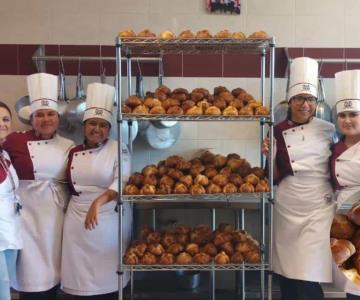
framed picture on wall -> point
(223, 6)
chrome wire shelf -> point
(193, 118)
(209, 267)
(188, 198)
(138, 45)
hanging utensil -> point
(76, 106)
(281, 109)
(23, 104)
(62, 103)
(162, 138)
(323, 110)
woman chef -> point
(345, 159)
(303, 210)
(90, 246)
(39, 157)
(10, 238)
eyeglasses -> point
(300, 100)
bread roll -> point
(184, 259)
(342, 250)
(342, 228)
(203, 34)
(201, 258)
(148, 259)
(222, 258)
(258, 35)
(146, 33)
(354, 213)
(167, 35)
(186, 34)
(238, 35)
(166, 259)
(127, 33)
(141, 110)
(223, 34)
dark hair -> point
(3, 105)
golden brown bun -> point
(187, 104)
(137, 179)
(252, 257)
(193, 111)
(342, 228)
(183, 165)
(186, 34)
(252, 178)
(342, 250)
(222, 238)
(262, 111)
(181, 188)
(162, 170)
(213, 111)
(227, 96)
(166, 259)
(131, 189)
(149, 170)
(127, 33)
(354, 213)
(180, 96)
(175, 110)
(186, 179)
(220, 103)
(223, 34)
(237, 258)
(133, 101)
(259, 172)
(229, 188)
(236, 179)
(175, 248)
(262, 187)
(247, 188)
(220, 180)
(148, 259)
(220, 89)
(197, 189)
(167, 180)
(156, 249)
(150, 180)
(219, 161)
(210, 172)
(230, 111)
(183, 259)
(153, 237)
(172, 160)
(222, 258)
(131, 259)
(141, 110)
(166, 35)
(174, 173)
(192, 249)
(238, 35)
(207, 157)
(183, 239)
(227, 248)
(146, 33)
(163, 89)
(210, 249)
(225, 227)
(258, 35)
(196, 96)
(201, 258)
(157, 110)
(138, 247)
(203, 34)
(152, 102)
(203, 104)
(246, 111)
(145, 232)
(126, 109)
(213, 188)
(237, 103)
(180, 91)
(356, 239)
(163, 189)
(196, 169)
(201, 180)
(239, 236)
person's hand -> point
(91, 220)
(265, 147)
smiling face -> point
(349, 123)
(302, 108)
(96, 131)
(5, 124)
(45, 122)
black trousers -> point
(111, 296)
(46, 295)
(352, 297)
(292, 289)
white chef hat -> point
(347, 90)
(303, 77)
(43, 91)
(99, 101)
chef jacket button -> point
(295, 171)
(29, 144)
(302, 128)
(74, 182)
(34, 171)
(38, 143)
(293, 130)
(337, 159)
(72, 168)
(285, 133)
(32, 156)
(80, 193)
(288, 146)
(292, 161)
(337, 175)
(83, 153)
(76, 154)
(46, 142)
(90, 152)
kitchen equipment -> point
(62, 103)
(23, 104)
(323, 110)
(163, 137)
(76, 106)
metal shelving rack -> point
(130, 47)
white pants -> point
(7, 272)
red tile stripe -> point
(17, 60)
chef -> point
(90, 246)
(304, 206)
(10, 235)
(345, 160)
(39, 157)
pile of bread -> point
(208, 174)
(345, 241)
(199, 245)
(188, 34)
(198, 102)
